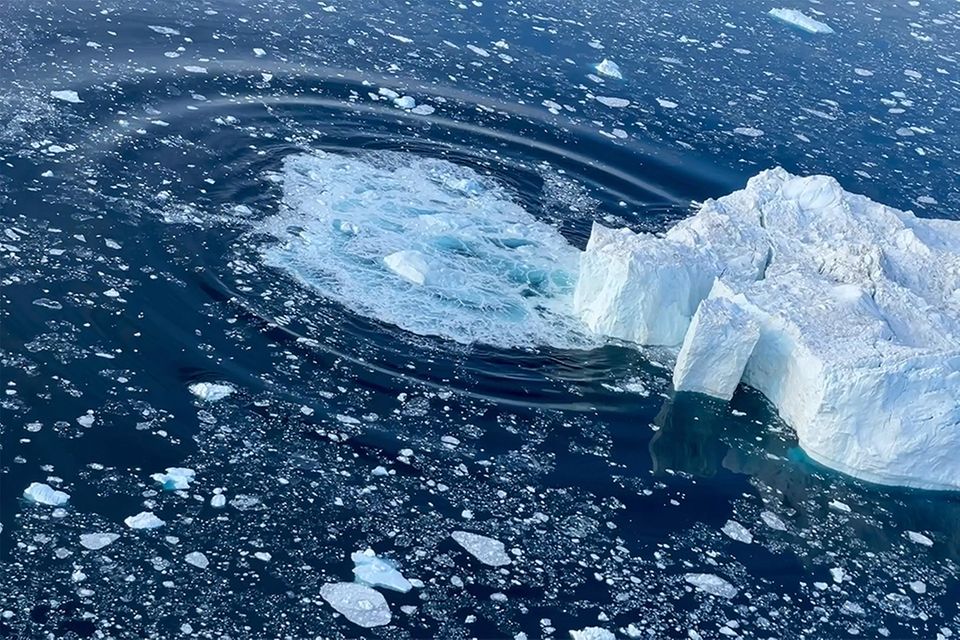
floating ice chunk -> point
(217, 501)
(408, 264)
(857, 305)
(487, 271)
(773, 521)
(97, 541)
(592, 633)
(749, 132)
(716, 348)
(798, 19)
(489, 551)
(192, 68)
(197, 559)
(610, 69)
(422, 110)
(66, 96)
(359, 604)
(712, 584)
(211, 391)
(617, 103)
(175, 478)
(41, 493)
(919, 538)
(166, 31)
(736, 531)
(405, 102)
(143, 520)
(377, 572)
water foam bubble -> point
(427, 245)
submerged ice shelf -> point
(843, 312)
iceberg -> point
(175, 478)
(45, 494)
(610, 69)
(712, 584)
(800, 20)
(210, 391)
(359, 604)
(843, 312)
(143, 520)
(377, 572)
(97, 541)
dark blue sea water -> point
(149, 242)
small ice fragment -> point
(592, 633)
(838, 574)
(712, 584)
(798, 19)
(66, 95)
(194, 69)
(919, 538)
(839, 506)
(211, 391)
(41, 493)
(409, 264)
(218, 501)
(422, 110)
(359, 604)
(197, 559)
(377, 572)
(263, 556)
(166, 31)
(388, 93)
(175, 478)
(617, 103)
(667, 104)
(487, 550)
(738, 532)
(749, 132)
(97, 541)
(143, 520)
(610, 69)
(257, 51)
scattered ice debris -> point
(66, 95)
(857, 308)
(211, 391)
(175, 478)
(97, 541)
(736, 531)
(143, 520)
(617, 103)
(919, 538)
(359, 604)
(41, 493)
(610, 69)
(197, 559)
(487, 550)
(592, 633)
(377, 572)
(798, 19)
(712, 584)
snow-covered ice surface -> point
(843, 312)
(485, 549)
(359, 604)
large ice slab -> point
(857, 304)
(359, 604)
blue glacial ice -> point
(426, 245)
(377, 572)
(45, 494)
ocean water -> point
(205, 191)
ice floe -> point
(97, 541)
(41, 493)
(175, 478)
(211, 391)
(610, 69)
(66, 95)
(358, 603)
(377, 572)
(143, 520)
(712, 584)
(489, 551)
(800, 20)
(857, 304)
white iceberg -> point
(857, 304)
(143, 520)
(409, 264)
(175, 478)
(610, 69)
(45, 494)
(800, 20)
(489, 551)
(712, 584)
(359, 604)
(197, 559)
(66, 95)
(377, 572)
(211, 391)
(592, 633)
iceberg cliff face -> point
(843, 312)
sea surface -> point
(205, 191)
